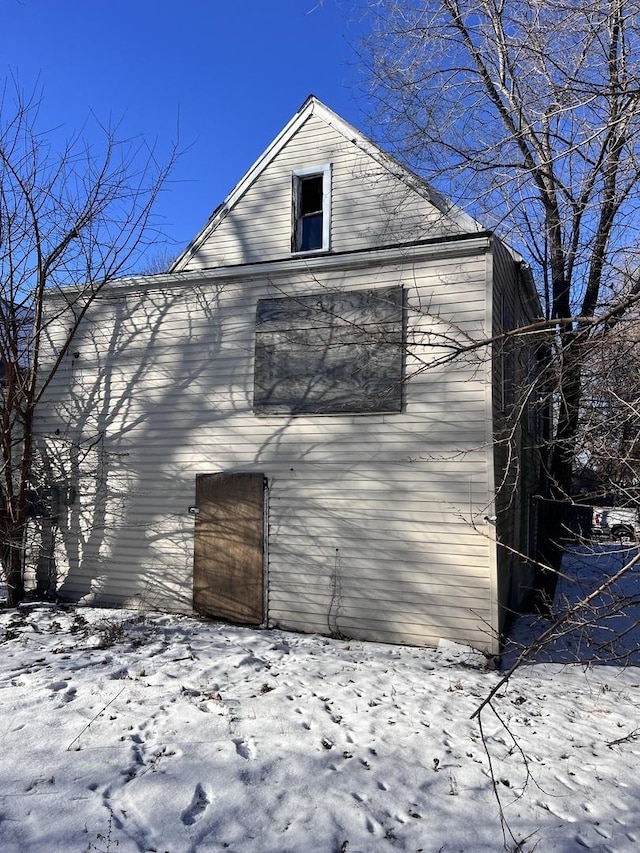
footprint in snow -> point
(69, 695)
(245, 749)
(197, 807)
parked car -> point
(621, 523)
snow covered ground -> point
(147, 732)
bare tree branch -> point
(73, 216)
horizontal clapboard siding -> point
(375, 525)
(516, 452)
(370, 207)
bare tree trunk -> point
(532, 117)
(12, 550)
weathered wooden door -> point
(229, 547)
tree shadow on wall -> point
(115, 411)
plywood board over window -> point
(330, 353)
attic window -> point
(311, 209)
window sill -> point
(306, 252)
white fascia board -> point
(312, 106)
(465, 222)
(250, 176)
(292, 266)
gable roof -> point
(313, 107)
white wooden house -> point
(277, 431)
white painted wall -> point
(371, 517)
(370, 206)
(376, 522)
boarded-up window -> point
(329, 353)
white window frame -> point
(323, 170)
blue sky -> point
(228, 74)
